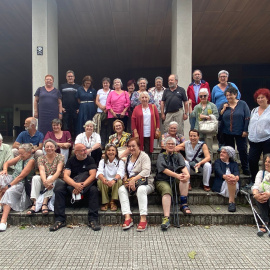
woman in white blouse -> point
(259, 130)
(110, 172)
(91, 140)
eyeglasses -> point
(223, 76)
(203, 96)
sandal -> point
(263, 228)
(127, 224)
(104, 207)
(57, 225)
(184, 208)
(31, 211)
(113, 206)
(142, 225)
(45, 211)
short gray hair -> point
(173, 123)
(57, 121)
(170, 139)
(196, 70)
(118, 80)
(33, 122)
(27, 147)
(223, 71)
(70, 71)
(140, 79)
(204, 90)
(144, 93)
(89, 122)
(175, 76)
(1, 137)
(51, 141)
(158, 78)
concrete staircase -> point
(207, 208)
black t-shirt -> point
(69, 99)
(79, 166)
(174, 99)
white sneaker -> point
(3, 227)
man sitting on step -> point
(197, 157)
(80, 181)
(171, 171)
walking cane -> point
(255, 214)
(175, 201)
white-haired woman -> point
(50, 168)
(145, 123)
(172, 132)
(135, 100)
(226, 181)
(12, 192)
(118, 103)
(91, 140)
(204, 111)
(218, 91)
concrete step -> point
(201, 215)
(195, 197)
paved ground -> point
(217, 247)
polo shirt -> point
(174, 99)
(79, 166)
(24, 137)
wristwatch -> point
(115, 179)
(9, 185)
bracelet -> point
(115, 179)
(60, 113)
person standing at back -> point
(70, 103)
(173, 100)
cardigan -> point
(137, 123)
(143, 168)
(220, 170)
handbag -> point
(139, 182)
(209, 126)
(103, 116)
(157, 135)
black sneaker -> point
(94, 225)
(231, 207)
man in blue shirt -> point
(30, 135)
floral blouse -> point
(50, 168)
(179, 138)
(122, 142)
(157, 96)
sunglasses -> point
(110, 144)
(203, 96)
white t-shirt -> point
(146, 122)
(102, 97)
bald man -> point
(30, 135)
(79, 180)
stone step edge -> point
(201, 215)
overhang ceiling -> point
(116, 37)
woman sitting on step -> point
(261, 191)
(110, 172)
(12, 187)
(171, 171)
(138, 179)
(226, 181)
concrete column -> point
(181, 62)
(45, 34)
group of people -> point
(128, 125)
